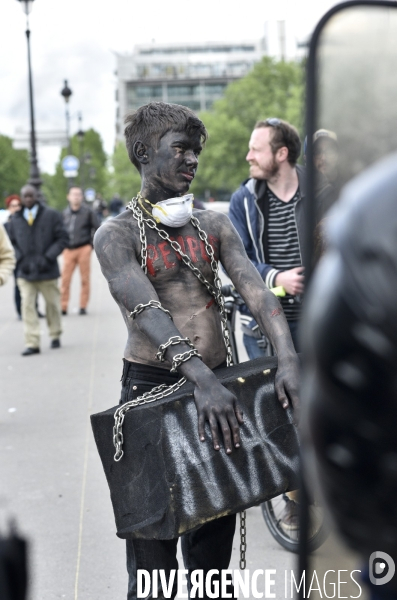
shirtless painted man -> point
(164, 142)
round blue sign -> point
(89, 194)
(70, 163)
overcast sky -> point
(77, 39)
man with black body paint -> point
(164, 142)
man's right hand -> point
(219, 407)
(25, 265)
(292, 280)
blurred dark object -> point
(198, 204)
(349, 392)
(350, 377)
(13, 567)
(116, 205)
(100, 207)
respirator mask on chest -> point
(174, 212)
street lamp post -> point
(80, 137)
(34, 176)
(66, 93)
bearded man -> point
(171, 315)
(267, 211)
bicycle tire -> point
(291, 541)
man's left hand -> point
(287, 383)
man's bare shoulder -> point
(117, 230)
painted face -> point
(263, 163)
(325, 158)
(173, 165)
(28, 196)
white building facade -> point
(192, 74)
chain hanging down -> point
(215, 291)
(162, 391)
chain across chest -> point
(214, 289)
(163, 259)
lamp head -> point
(66, 92)
(26, 5)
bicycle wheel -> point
(272, 510)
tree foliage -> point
(14, 168)
(271, 89)
(124, 178)
(93, 170)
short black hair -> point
(149, 123)
(284, 134)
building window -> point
(183, 91)
(192, 104)
(137, 95)
(214, 90)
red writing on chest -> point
(162, 255)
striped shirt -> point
(283, 246)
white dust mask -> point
(174, 212)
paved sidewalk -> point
(51, 478)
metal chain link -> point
(215, 292)
(162, 391)
(178, 359)
(243, 539)
(151, 304)
(175, 339)
(157, 393)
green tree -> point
(93, 170)
(124, 178)
(271, 89)
(14, 168)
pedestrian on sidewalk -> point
(81, 223)
(13, 205)
(7, 256)
(38, 236)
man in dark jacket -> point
(38, 236)
(81, 223)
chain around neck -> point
(163, 390)
(214, 290)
